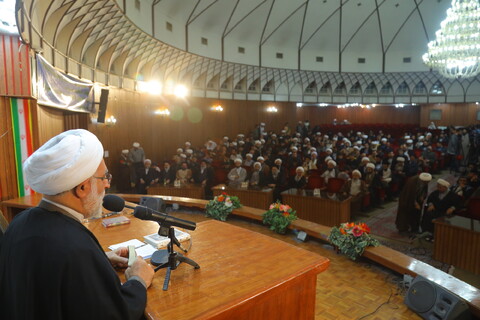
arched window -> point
(326, 89)
(420, 89)
(355, 90)
(403, 89)
(437, 89)
(386, 89)
(312, 88)
(341, 89)
(371, 89)
(268, 86)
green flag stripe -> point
(18, 148)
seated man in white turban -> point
(440, 202)
(51, 265)
(237, 175)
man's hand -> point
(140, 269)
(450, 211)
(118, 257)
(431, 207)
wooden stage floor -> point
(347, 289)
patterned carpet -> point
(382, 224)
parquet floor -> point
(347, 289)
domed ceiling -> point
(332, 51)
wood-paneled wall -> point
(357, 115)
(14, 67)
(192, 120)
(455, 114)
(50, 123)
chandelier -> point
(455, 52)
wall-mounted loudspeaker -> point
(102, 108)
(430, 301)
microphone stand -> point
(174, 258)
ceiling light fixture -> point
(455, 52)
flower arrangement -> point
(352, 239)
(279, 216)
(221, 206)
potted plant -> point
(279, 216)
(352, 238)
(221, 206)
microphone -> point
(145, 213)
(115, 203)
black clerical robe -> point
(52, 267)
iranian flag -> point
(22, 136)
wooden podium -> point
(242, 275)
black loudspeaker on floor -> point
(433, 302)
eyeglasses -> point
(108, 177)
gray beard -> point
(93, 202)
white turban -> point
(125, 151)
(332, 162)
(424, 176)
(357, 172)
(370, 165)
(278, 160)
(63, 162)
(136, 145)
(401, 159)
(443, 182)
(260, 158)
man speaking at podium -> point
(51, 266)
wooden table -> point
(242, 275)
(255, 198)
(12, 207)
(457, 242)
(323, 211)
(188, 191)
